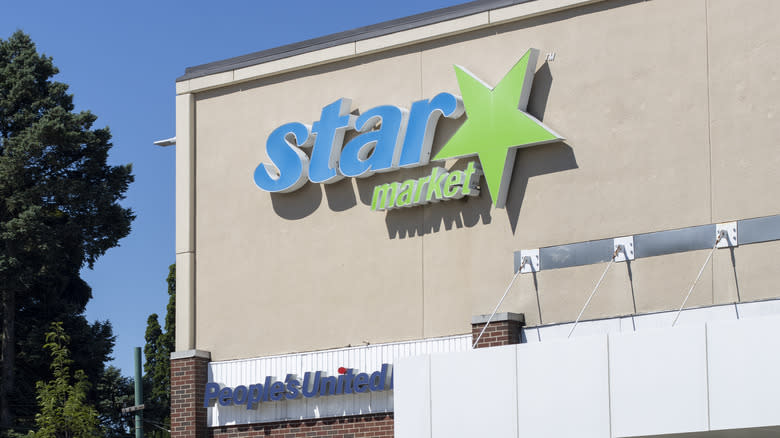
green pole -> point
(139, 395)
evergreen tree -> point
(59, 199)
(116, 392)
(169, 337)
(64, 410)
(157, 368)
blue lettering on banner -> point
(314, 384)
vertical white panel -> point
(658, 381)
(185, 221)
(744, 370)
(474, 393)
(696, 317)
(529, 335)
(628, 324)
(584, 328)
(413, 394)
(759, 308)
(658, 320)
(560, 380)
(185, 310)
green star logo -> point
(497, 124)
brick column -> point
(189, 372)
(504, 329)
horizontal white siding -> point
(367, 358)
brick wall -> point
(357, 426)
(504, 329)
(188, 383)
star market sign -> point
(390, 137)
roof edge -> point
(346, 37)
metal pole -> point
(139, 395)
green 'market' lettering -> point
(468, 188)
(452, 187)
(388, 192)
(422, 185)
(407, 193)
(437, 186)
(434, 193)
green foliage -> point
(59, 211)
(90, 348)
(116, 392)
(157, 369)
(64, 411)
(60, 199)
(170, 312)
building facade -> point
(351, 209)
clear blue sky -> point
(121, 60)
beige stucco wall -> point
(667, 108)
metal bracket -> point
(730, 239)
(627, 252)
(532, 263)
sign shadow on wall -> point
(298, 204)
(535, 161)
(539, 160)
(469, 212)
